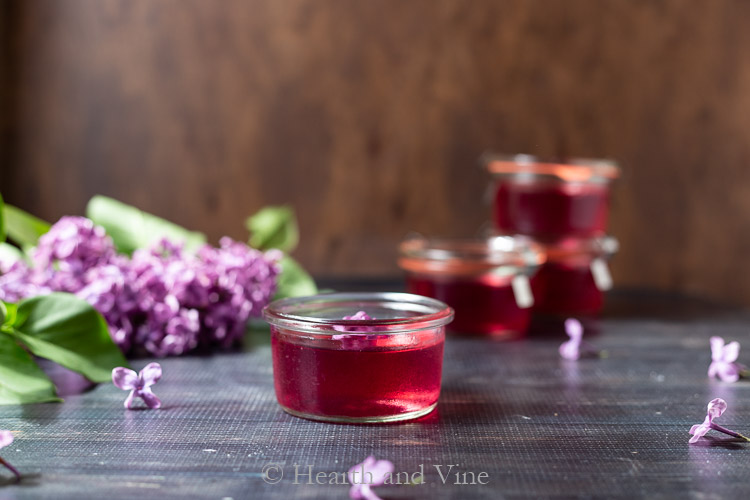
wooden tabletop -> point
(534, 424)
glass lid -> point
(573, 170)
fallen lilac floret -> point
(715, 408)
(576, 347)
(139, 384)
(367, 474)
(358, 316)
(353, 338)
(6, 438)
(724, 360)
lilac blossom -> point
(576, 347)
(18, 282)
(110, 291)
(367, 474)
(139, 384)
(163, 301)
(242, 281)
(723, 360)
(71, 247)
(6, 438)
(715, 408)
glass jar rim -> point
(599, 246)
(466, 256)
(413, 312)
(572, 170)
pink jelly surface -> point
(483, 306)
(360, 378)
(565, 289)
(550, 211)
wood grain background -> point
(369, 117)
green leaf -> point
(2, 219)
(294, 281)
(273, 227)
(67, 330)
(21, 380)
(10, 254)
(9, 313)
(131, 228)
(22, 227)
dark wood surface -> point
(539, 426)
(369, 117)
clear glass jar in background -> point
(575, 276)
(550, 201)
(486, 281)
(384, 369)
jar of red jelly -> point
(486, 281)
(550, 200)
(358, 357)
(573, 280)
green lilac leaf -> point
(9, 312)
(21, 380)
(67, 330)
(22, 227)
(131, 228)
(294, 281)
(273, 227)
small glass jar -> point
(573, 279)
(486, 281)
(382, 369)
(550, 201)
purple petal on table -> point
(140, 384)
(380, 470)
(698, 431)
(731, 352)
(363, 476)
(714, 410)
(570, 350)
(713, 369)
(574, 329)
(6, 437)
(728, 372)
(150, 374)
(129, 400)
(124, 378)
(363, 492)
(723, 360)
(717, 348)
(150, 399)
(716, 407)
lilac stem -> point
(719, 428)
(11, 468)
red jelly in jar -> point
(382, 363)
(485, 281)
(550, 201)
(575, 277)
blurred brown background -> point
(369, 117)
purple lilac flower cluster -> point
(162, 301)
